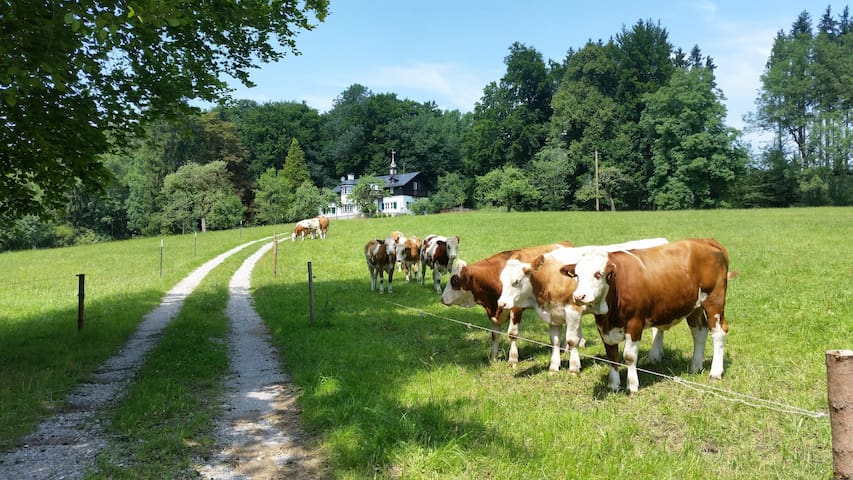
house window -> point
(415, 186)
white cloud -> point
(450, 86)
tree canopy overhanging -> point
(78, 78)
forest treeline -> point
(628, 123)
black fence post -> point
(81, 294)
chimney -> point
(393, 172)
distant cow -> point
(438, 253)
(409, 255)
(380, 255)
(656, 287)
(539, 284)
(308, 227)
(479, 283)
(323, 222)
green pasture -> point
(392, 393)
(42, 355)
(389, 392)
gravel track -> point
(259, 437)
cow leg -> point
(718, 338)
(699, 330)
(390, 278)
(372, 279)
(614, 383)
(496, 336)
(512, 333)
(631, 353)
(573, 338)
(656, 353)
(436, 279)
(555, 349)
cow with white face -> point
(438, 252)
(539, 284)
(478, 284)
(656, 287)
(380, 256)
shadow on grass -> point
(384, 385)
(44, 356)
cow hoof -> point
(716, 377)
(553, 371)
(574, 371)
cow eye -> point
(597, 275)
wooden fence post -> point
(839, 375)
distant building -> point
(401, 190)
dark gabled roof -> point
(398, 180)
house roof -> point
(391, 181)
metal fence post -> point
(310, 294)
(81, 294)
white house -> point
(401, 190)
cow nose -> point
(579, 298)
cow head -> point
(390, 246)
(593, 273)
(452, 246)
(457, 291)
(515, 284)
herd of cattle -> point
(628, 288)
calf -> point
(656, 287)
(438, 253)
(539, 284)
(478, 283)
(380, 255)
(309, 226)
(409, 255)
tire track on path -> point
(65, 444)
(260, 435)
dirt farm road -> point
(258, 437)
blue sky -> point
(447, 51)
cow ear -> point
(457, 239)
(526, 270)
(537, 262)
(569, 270)
(610, 271)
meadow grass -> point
(41, 352)
(392, 393)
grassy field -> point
(392, 393)
(41, 353)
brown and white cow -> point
(539, 284)
(380, 255)
(438, 253)
(409, 255)
(306, 227)
(656, 287)
(323, 222)
(479, 283)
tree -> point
(805, 101)
(552, 171)
(81, 77)
(451, 192)
(508, 186)
(368, 190)
(196, 194)
(695, 156)
(510, 120)
(294, 172)
(271, 197)
(309, 201)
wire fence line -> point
(721, 393)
